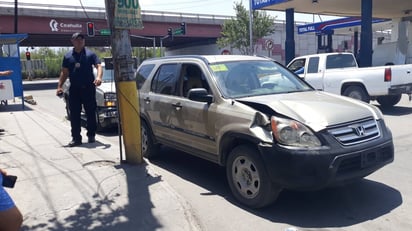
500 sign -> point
(127, 14)
(134, 4)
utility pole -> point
(252, 50)
(16, 23)
(161, 44)
(120, 17)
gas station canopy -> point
(380, 8)
(329, 26)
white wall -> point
(304, 44)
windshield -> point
(108, 75)
(252, 78)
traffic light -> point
(28, 55)
(170, 31)
(183, 27)
(90, 29)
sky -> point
(211, 7)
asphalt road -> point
(382, 201)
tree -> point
(235, 31)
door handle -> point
(147, 100)
(177, 106)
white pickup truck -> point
(339, 73)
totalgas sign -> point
(306, 29)
(258, 4)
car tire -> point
(357, 92)
(68, 113)
(389, 101)
(149, 148)
(99, 126)
(248, 178)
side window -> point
(332, 62)
(192, 78)
(340, 61)
(143, 74)
(313, 65)
(296, 65)
(165, 80)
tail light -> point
(388, 74)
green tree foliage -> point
(47, 62)
(235, 31)
(143, 53)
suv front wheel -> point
(248, 179)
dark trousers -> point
(86, 97)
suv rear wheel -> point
(149, 148)
(248, 179)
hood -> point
(108, 87)
(314, 108)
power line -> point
(84, 10)
(216, 2)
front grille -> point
(365, 160)
(356, 132)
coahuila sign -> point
(127, 14)
(56, 26)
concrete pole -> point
(125, 80)
(290, 35)
(366, 34)
(29, 70)
(252, 50)
(16, 20)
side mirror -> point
(200, 94)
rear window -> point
(340, 61)
(165, 80)
(143, 73)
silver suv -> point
(266, 126)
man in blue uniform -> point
(78, 66)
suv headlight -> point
(110, 99)
(292, 133)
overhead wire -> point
(84, 10)
(198, 4)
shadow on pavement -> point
(14, 108)
(396, 110)
(104, 214)
(38, 85)
(332, 207)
